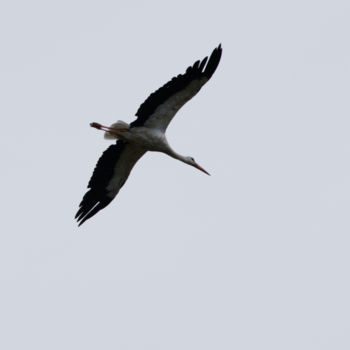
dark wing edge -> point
(200, 69)
(97, 198)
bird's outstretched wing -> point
(110, 174)
(161, 106)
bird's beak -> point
(201, 169)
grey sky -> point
(255, 256)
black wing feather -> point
(176, 84)
(97, 198)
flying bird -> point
(146, 133)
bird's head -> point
(191, 161)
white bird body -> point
(148, 138)
(146, 133)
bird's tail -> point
(118, 125)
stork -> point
(146, 133)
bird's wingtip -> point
(213, 62)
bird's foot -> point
(96, 125)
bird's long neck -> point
(176, 155)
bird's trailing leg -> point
(107, 128)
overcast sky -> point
(255, 256)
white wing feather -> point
(163, 115)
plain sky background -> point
(255, 256)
